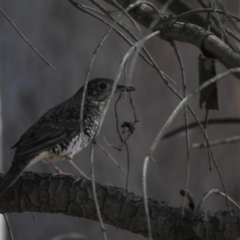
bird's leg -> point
(81, 174)
(58, 171)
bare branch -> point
(233, 139)
(171, 29)
(25, 39)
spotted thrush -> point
(59, 134)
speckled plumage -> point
(56, 135)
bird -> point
(60, 133)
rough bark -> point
(40, 193)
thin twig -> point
(122, 141)
(208, 146)
(151, 61)
(119, 73)
(229, 16)
(184, 85)
(105, 151)
(233, 139)
(166, 5)
(34, 218)
(205, 10)
(84, 9)
(151, 27)
(95, 192)
(179, 107)
(232, 34)
(10, 233)
(181, 104)
(127, 15)
(218, 22)
(69, 236)
(144, 181)
(216, 191)
(116, 117)
(94, 57)
(195, 124)
(25, 39)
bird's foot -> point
(80, 173)
(80, 178)
(61, 174)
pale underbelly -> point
(64, 151)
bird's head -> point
(100, 88)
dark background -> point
(67, 38)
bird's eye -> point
(102, 86)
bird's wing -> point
(56, 126)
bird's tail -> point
(11, 176)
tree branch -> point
(173, 29)
(39, 193)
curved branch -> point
(195, 124)
(38, 193)
(173, 29)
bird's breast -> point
(70, 147)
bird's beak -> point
(122, 88)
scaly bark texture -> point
(41, 193)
